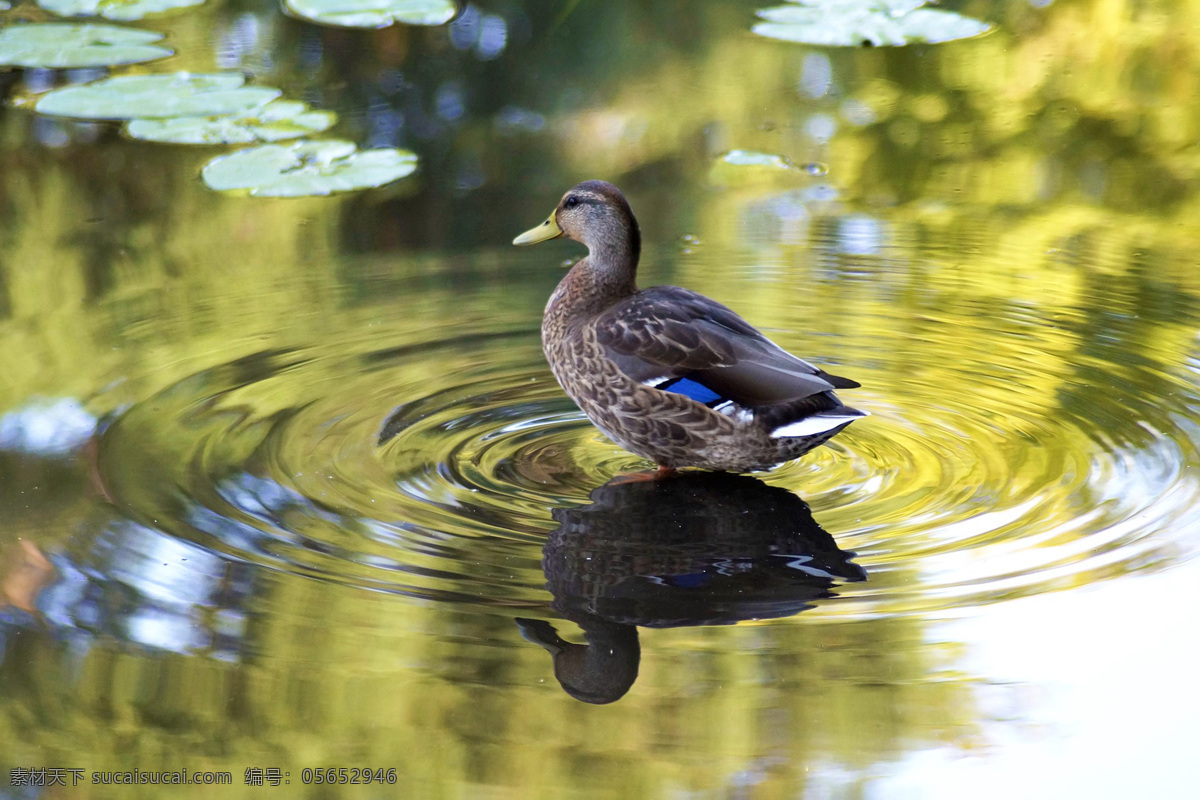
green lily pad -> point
(122, 10)
(157, 97)
(373, 13)
(307, 168)
(850, 23)
(59, 45)
(274, 122)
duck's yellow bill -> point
(547, 230)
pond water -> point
(286, 484)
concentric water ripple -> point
(432, 467)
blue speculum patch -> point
(693, 389)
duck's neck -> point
(606, 276)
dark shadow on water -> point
(698, 549)
(9, 78)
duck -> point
(669, 374)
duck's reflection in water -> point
(697, 549)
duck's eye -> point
(571, 202)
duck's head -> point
(594, 213)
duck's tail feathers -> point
(818, 423)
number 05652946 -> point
(340, 775)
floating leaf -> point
(850, 23)
(750, 167)
(58, 45)
(123, 10)
(274, 122)
(373, 13)
(157, 97)
(752, 158)
(307, 168)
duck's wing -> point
(678, 340)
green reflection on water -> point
(1003, 248)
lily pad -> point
(60, 45)
(274, 122)
(157, 97)
(307, 168)
(373, 13)
(850, 23)
(122, 10)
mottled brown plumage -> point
(665, 372)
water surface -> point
(287, 483)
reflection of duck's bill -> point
(541, 633)
(544, 232)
